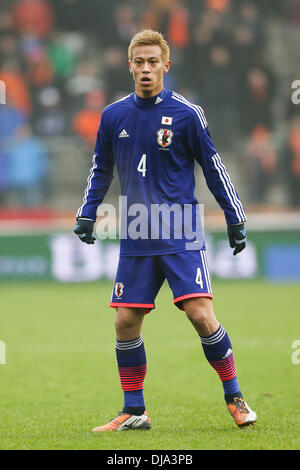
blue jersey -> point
(154, 143)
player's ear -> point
(129, 66)
(167, 66)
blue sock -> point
(218, 351)
(132, 366)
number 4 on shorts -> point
(198, 279)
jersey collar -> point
(154, 100)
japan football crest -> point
(164, 137)
(119, 288)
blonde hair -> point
(148, 37)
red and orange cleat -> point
(124, 422)
(241, 413)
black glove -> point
(237, 237)
(84, 229)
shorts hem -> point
(191, 296)
(149, 307)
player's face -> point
(148, 69)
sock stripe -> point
(218, 351)
(225, 368)
(214, 338)
(124, 345)
(132, 378)
(132, 367)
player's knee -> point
(202, 317)
(199, 316)
(123, 323)
(127, 320)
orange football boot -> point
(124, 422)
(241, 412)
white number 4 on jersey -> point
(142, 165)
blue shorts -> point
(139, 279)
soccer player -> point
(154, 136)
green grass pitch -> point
(60, 378)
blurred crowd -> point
(63, 61)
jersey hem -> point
(160, 252)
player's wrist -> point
(84, 218)
(238, 224)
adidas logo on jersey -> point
(158, 100)
(123, 133)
